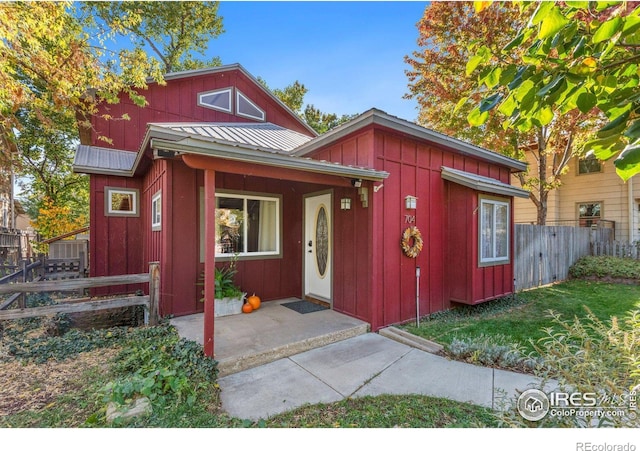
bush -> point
(492, 350)
(589, 356)
(605, 267)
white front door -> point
(318, 243)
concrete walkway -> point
(368, 364)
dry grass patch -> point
(34, 387)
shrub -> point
(492, 350)
(605, 267)
(589, 356)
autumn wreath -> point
(411, 241)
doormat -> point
(304, 306)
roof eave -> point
(470, 181)
(239, 153)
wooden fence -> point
(150, 302)
(543, 254)
(617, 249)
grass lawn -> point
(523, 317)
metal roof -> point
(100, 160)
(481, 183)
(262, 136)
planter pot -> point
(228, 306)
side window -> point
(121, 202)
(494, 231)
(156, 211)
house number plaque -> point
(409, 219)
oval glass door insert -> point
(322, 240)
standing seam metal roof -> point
(266, 136)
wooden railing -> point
(70, 305)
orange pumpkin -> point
(254, 301)
(246, 308)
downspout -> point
(631, 209)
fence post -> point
(22, 303)
(154, 292)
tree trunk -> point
(543, 191)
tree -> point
(172, 30)
(56, 66)
(440, 80)
(569, 58)
(293, 96)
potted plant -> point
(228, 296)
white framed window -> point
(494, 223)
(246, 108)
(219, 99)
(156, 211)
(248, 225)
(121, 202)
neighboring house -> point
(591, 194)
(215, 166)
(16, 232)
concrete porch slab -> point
(270, 333)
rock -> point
(141, 406)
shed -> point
(215, 166)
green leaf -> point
(552, 86)
(473, 63)
(524, 89)
(460, 104)
(578, 51)
(552, 23)
(477, 117)
(508, 106)
(605, 148)
(541, 12)
(493, 78)
(508, 74)
(586, 101)
(628, 162)
(515, 42)
(607, 30)
(545, 115)
(614, 127)
(633, 132)
(490, 102)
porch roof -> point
(100, 160)
(481, 183)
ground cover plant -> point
(54, 377)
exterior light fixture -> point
(345, 203)
(410, 202)
(357, 183)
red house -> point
(216, 166)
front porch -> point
(270, 333)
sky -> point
(349, 55)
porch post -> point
(209, 257)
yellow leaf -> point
(481, 6)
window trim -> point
(213, 107)
(246, 195)
(156, 219)
(579, 159)
(108, 207)
(495, 201)
(598, 218)
(250, 102)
